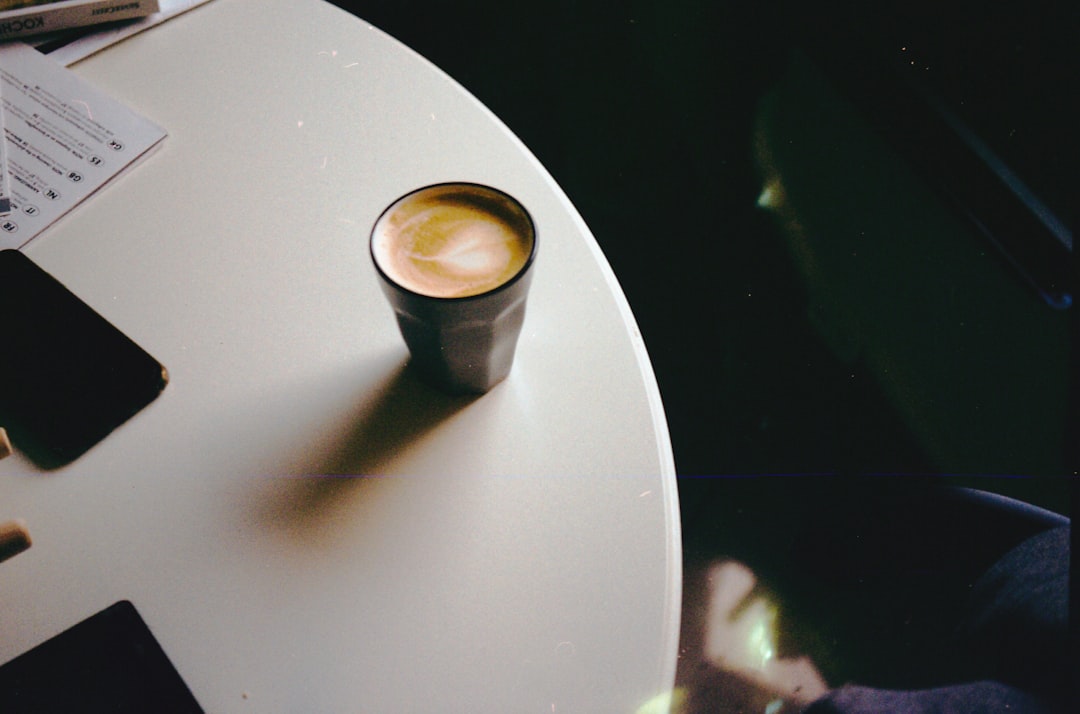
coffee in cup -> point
(455, 262)
(453, 241)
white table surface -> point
(517, 552)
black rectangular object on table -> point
(67, 376)
(109, 663)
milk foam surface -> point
(452, 243)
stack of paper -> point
(22, 18)
(68, 48)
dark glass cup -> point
(461, 343)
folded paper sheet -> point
(64, 140)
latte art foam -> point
(452, 241)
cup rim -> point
(516, 277)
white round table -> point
(304, 526)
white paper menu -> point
(64, 140)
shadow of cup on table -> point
(350, 466)
(401, 411)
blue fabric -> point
(1015, 633)
(973, 698)
(1017, 630)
